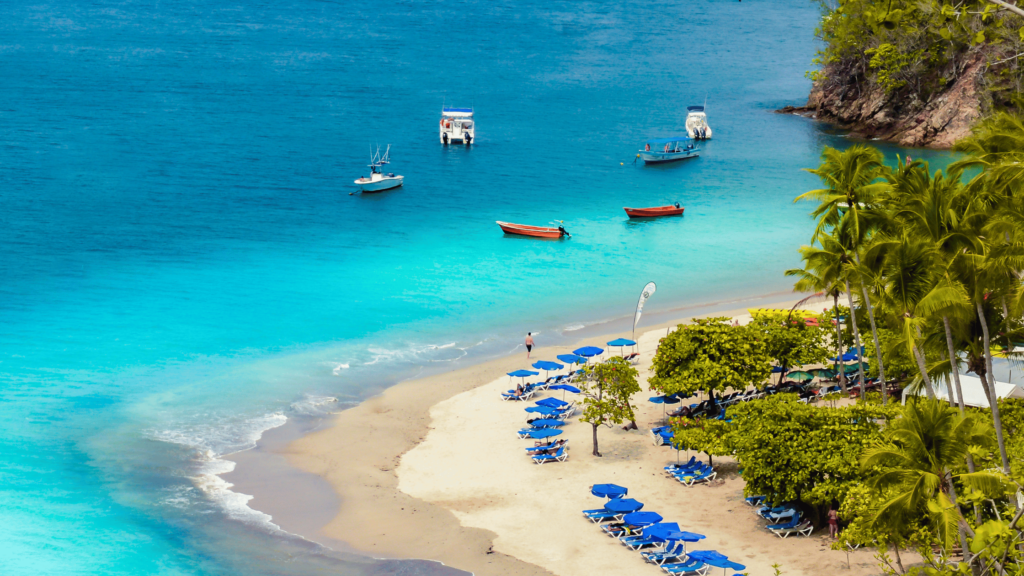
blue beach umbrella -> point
(588, 351)
(552, 402)
(623, 505)
(663, 400)
(547, 366)
(545, 410)
(523, 374)
(543, 433)
(621, 344)
(608, 490)
(684, 537)
(547, 423)
(571, 358)
(707, 555)
(565, 388)
(661, 530)
(641, 518)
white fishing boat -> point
(457, 126)
(378, 181)
(697, 123)
(661, 150)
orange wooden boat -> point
(535, 231)
(671, 210)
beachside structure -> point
(697, 123)
(457, 126)
(974, 392)
(671, 149)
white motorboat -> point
(457, 126)
(378, 181)
(697, 123)
(660, 150)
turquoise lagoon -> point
(184, 267)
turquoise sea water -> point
(183, 267)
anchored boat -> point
(660, 150)
(378, 181)
(697, 123)
(457, 126)
(534, 231)
(670, 210)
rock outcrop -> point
(866, 110)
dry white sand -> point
(446, 483)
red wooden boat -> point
(671, 210)
(535, 231)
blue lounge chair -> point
(702, 476)
(672, 551)
(793, 527)
(754, 500)
(688, 567)
(598, 516)
(639, 541)
(560, 456)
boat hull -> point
(369, 186)
(532, 231)
(653, 212)
(665, 157)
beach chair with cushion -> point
(560, 456)
(639, 541)
(793, 527)
(534, 450)
(672, 551)
(602, 515)
(754, 500)
(702, 476)
(688, 464)
(511, 395)
(686, 567)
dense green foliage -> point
(709, 355)
(607, 388)
(789, 341)
(791, 451)
(916, 48)
(935, 261)
(707, 435)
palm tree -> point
(847, 204)
(928, 441)
(823, 272)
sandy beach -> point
(432, 469)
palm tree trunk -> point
(956, 369)
(960, 525)
(856, 340)
(919, 356)
(991, 388)
(874, 336)
(839, 343)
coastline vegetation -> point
(914, 49)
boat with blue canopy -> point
(660, 150)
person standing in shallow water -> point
(529, 343)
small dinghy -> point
(670, 210)
(379, 181)
(534, 231)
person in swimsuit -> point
(529, 343)
(833, 523)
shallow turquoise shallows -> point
(184, 268)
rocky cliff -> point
(864, 108)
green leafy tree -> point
(710, 355)
(707, 435)
(607, 388)
(791, 451)
(789, 340)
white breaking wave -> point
(314, 405)
(209, 443)
(574, 327)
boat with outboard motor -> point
(675, 148)
(697, 123)
(457, 126)
(534, 231)
(654, 212)
(378, 181)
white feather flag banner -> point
(648, 291)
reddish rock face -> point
(866, 110)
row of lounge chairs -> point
(784, 520)
(532, 388)
(660, 543)
(547, 414)
(691, 472)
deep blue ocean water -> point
(183, 266)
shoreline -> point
(360, 453)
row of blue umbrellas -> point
(653, 527)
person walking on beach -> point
(833, 523)
(529, 344)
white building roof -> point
(974, 393)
